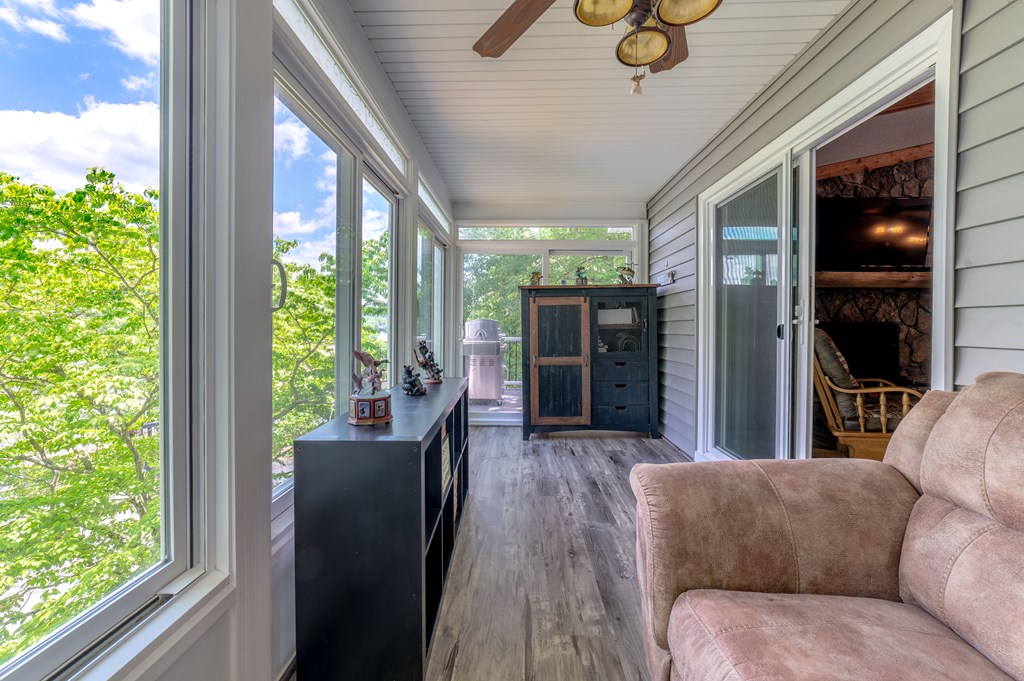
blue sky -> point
(79, 87)
(305, 181)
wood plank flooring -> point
(543, 584)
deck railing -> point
(512, 359)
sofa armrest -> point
(824, 526)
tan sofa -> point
(834, 569)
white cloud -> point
(375, 223)
(45, 6)
(134, 83)
(291, 223)
(291, 139)
(47, 27)
(133, 25)
(308, 253)
(55, 149)
(21, 23)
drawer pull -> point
(620, 364)
(620, 385)
(620, 409)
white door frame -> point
(927, 56)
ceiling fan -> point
(655, 34)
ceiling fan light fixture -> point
(602, 12)
(684, 12)
(643, 45)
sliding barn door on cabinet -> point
(560, 360)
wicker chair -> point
(861, 413)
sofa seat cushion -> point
(742, 636)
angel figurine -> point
(372, 378)
(369, 404)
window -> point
(90, 524)
(547, 233)
(298, 19)
(599, 269)
(429, 289)
(375, 273)
(305, 286)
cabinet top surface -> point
(415, 417)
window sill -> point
(159, 641)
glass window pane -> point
(438, 306)
(305, 243)
(547, 233)
(376, 272)
(82, 470)
(425, 286)
(491, 305)
(598, 269)
(746, 311)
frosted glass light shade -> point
(684, 12)
(602, 12)
(645, 45)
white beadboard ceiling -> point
(552, 120)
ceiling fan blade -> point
(677, 53)
(520, 16)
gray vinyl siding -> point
(989, 293)
(864, 35)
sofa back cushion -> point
(963, 554)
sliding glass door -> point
(746, 243)
(752, 316)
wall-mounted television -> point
(877, 234)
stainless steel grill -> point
(481, 351)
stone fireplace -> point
(908, 307)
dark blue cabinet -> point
(589, 358)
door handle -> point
(780, 332)
(283, 295)
(586, 360)
(533, 360)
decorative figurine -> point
(411, 383)
(535, 279)
(425, 359)
(626, 274)
(581, 276)
(369, 404)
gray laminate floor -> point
(543, 584)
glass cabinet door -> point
(621, 325)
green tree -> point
(303, 353)
(79, 399)
(376, 296)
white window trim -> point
(306, 27)
(433, 207)
(177, 450)
(927, 56)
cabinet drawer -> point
(621, 371)
(621, 415)
(623, 393)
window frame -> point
(304, 103)
(394, 199)
(438, 294)
(77, 642)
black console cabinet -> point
(590, 358)
(377, 510)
